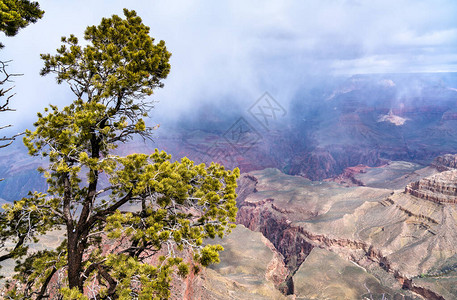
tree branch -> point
(44, 287)
(11, 254)
(107, 277)
(112, 208)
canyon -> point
(401, 234)
(351, 195)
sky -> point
(240, 49)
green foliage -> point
(17, 14)
(121, 62)
(130, 222)
(22, 222)
(72, 294)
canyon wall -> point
(398, 233)
(439, 188)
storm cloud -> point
(240, 49)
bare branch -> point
(4, 105)
(19, 244)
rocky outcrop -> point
(250, 268)
(332, 161)
(439, 188)
(348, 178)
(424, 292)
(445, 162)
(315, 165)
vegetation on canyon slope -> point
(117, 212)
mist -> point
(227, 55)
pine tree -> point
(17, 14)
(149, 205)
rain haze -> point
(237, 50)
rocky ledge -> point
(445, 162)
(439, 188)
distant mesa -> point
(394, 119)
(387, 83)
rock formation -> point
(392, 234)
(439, 188)
(445, 162)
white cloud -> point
(242, 48)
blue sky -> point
(243, 48)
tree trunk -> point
(77, 234)
(74, 260)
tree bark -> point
(74, 260)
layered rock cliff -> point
(439, 188)
(445, 162)
(403, 235)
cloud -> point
(239, 49)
